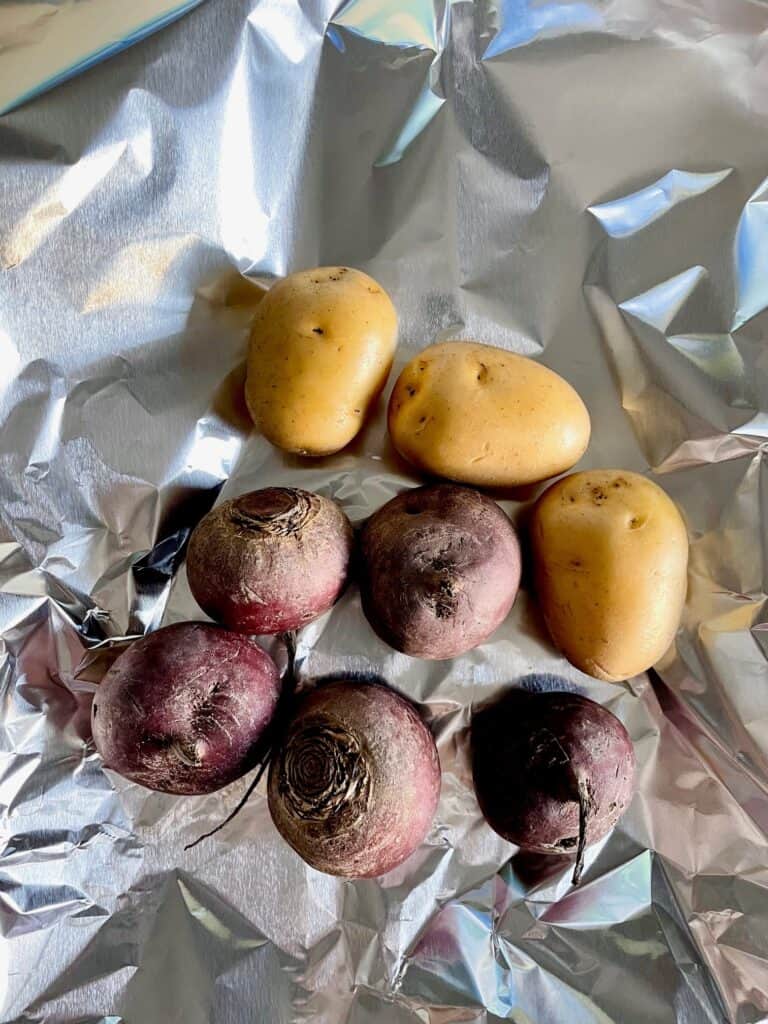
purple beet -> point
(185, 709)
(270, 561)
(440, 570)
(354, 786)
(553, 771)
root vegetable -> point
(185, 709)
(354, 786)
(440, 570)
(270, 561)
(553, 772)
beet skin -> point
(183, 709)
(553, 772)
(354, 786)
(440, 570)
(270, 561)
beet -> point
(185, 709)
(553, 771)
(354, 786)
(270, 561)
(440, 570)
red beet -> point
(553, 772)
(354, 786)
(185, 709)
(440, 570)
(270, 561)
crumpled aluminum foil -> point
(45, 44)
(577, 180)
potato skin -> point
(483, 416)
(271, 560)
(321, 348)
(611, 555)
(353, 788)
(440, 568)
(185, 709)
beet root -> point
(440, 570)
(553, 771)
(185, 709)
(270, 561)
(354, 786)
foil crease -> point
(585, 182)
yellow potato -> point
(611, 555)
(484, 416)
(321, 349)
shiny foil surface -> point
(43, 44)
(582, 181)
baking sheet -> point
(584, 182)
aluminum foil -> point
(583, 182)
(43, 44)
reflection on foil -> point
(523, 21)
(424, 109)
(45, 44)
(625, 216)
(716, 408)
(751, 254)
(411, 24)
(418, 25)
(591, 191)
(56, 203)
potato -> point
(483, 416)
(321, 349)
(611, 553)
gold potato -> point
(321, 348)
(610, 553)
(483, 416)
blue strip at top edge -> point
(147, 29)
